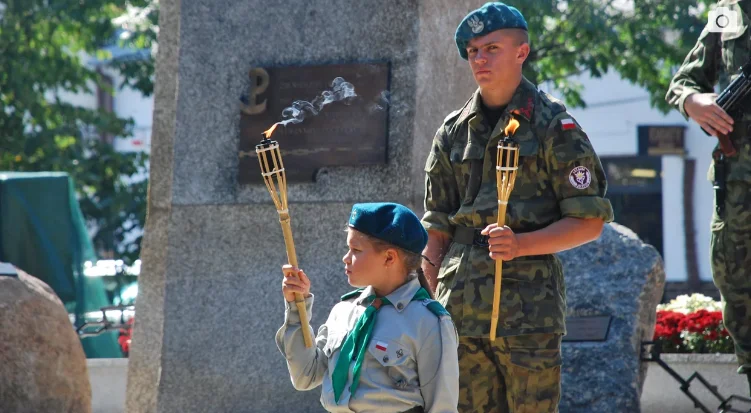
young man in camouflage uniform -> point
(691, 92)
(557, 203)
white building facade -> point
(665, 198)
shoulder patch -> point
(580, 177)
(352, 294)
(563, 122)
(567, 123)
(435, 307)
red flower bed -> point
(701, 331)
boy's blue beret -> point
(390, 222)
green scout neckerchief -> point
(358, 338)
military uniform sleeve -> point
(441, 193)
(576, 173)
(307, 366)
(438, 368)
(699, 71)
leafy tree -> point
(644, 41)
(43, 47)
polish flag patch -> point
(567, 124)
(380, 345)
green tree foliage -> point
(644, 41)
(44, 45)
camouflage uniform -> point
(559, 176)
(731, 233)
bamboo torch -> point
(507, 165)
(272, 170)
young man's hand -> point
(502, 242)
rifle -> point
(731, 101)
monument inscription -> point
(320, 127)
(591, 328)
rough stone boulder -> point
(620, 278)
(42, 364)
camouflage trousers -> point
(516, 374)
(731, 267)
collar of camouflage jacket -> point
(522, 104)
(400, 297)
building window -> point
(635, 191)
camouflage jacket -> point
(559, 175)
(713, 55)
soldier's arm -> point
(306, 366)
(441, 200)
(438, 244)
(579, 182)
(698, 73)
(559, 236)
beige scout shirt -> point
(411, 358)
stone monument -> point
(613, 286)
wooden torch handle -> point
(284, 220)
(495, 315)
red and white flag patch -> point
(380, 345)
(567, 124)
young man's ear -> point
(523, 52)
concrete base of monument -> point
(109, 378)
(661, 394)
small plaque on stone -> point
(592, 328)
(325, 124)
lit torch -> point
(507, 165)
(272, 170)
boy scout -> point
(557, 203)
(725, 50)
(387, 347)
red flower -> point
(125, 337)
(667, 325)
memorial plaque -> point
(349, 132)
(593, 328)
(661, 140)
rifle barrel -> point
(736, 91)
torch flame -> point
(513, 124)
(270, 130)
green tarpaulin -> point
(42, 232)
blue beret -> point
(393, 223)
(488, 18)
